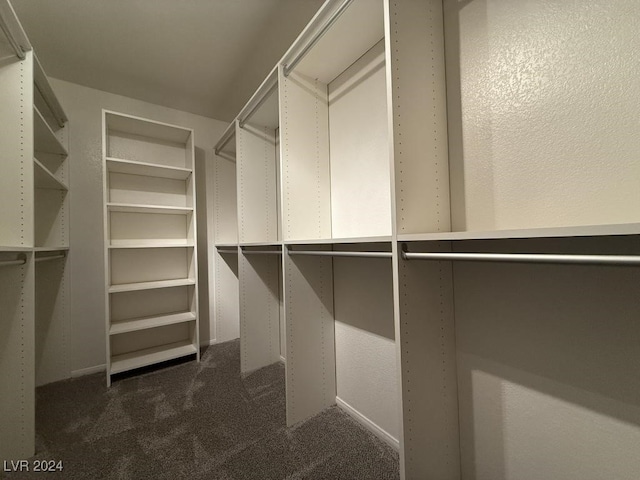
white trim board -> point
(368, 424)
(88, 371)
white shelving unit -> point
(34, 280)
(150, 252)
(225, 218)
(379, 151)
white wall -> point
(86, 345)
(545, 133)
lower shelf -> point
(135, 324)
(149, 356)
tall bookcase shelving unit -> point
(34, 239)
(150, 250)
(384, 157)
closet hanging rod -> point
(226, 136)
(242, 118)
(527, 258)
(49, 257)
(333, 253)
(288, 67)
(13, 30)
(18, 261)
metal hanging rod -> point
(313, 40)
(333, 253)
(527, 258)
(49, 257)
(226, 136)
(19, 261)
(13, 30)
(259, 98)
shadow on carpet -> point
(198, 421)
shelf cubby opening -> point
(150, 229)
(51, 217)
(225, 203)
(261, 312)
(132, 266)
(335, 152)
(257, 144)
(141, 140)
(143, 190)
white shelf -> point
(44, 87)
(261, 244)
(43, 178)
(149, 356)
(131, 167)
(132, 287)
(58, 248)
(124, 246)
(44, 138)
(150, 322)
(15, 249)
(332, 241)
(134, 208)
(226, 245)
(121, 122)
(577, 231)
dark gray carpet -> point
(198, 421)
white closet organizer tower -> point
(150, 250)
(259, 260)
(226, 234)
(495, 233)
(34, 239)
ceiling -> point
(201, 56)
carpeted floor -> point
(198, 421)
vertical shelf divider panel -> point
(310, 335)
(259, 310)
(17, 289)
(151, 293)
(306, 179)
(17, 359)
(424, 317)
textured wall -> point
(86, 347)
(546, 132)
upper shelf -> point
(44, 139)
(44, 87)
(332, 241)
(135, 208)
(146, 128)
(576, 231)
(131, 167)
(338, 47)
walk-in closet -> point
(273, 239)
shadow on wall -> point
(548, 364)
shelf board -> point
(577, 231)
(130, 124)
(226, 245)
(149, 356)
(261, 244)
(43, 178)
(144, 323)
(130, 167)
(44, 138)
(333, 241)
(135, 208)
(132, 287)
(44, 87)
(5, 249)
(124, 246)
(59, 248)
